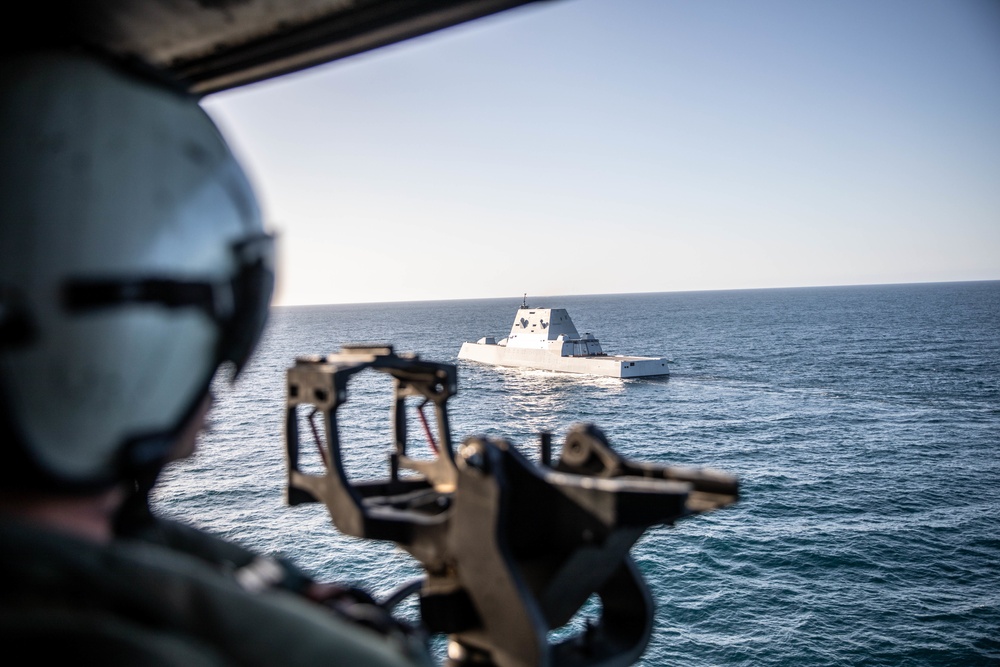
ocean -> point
(862, 422)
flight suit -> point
(171, 596)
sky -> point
(621, 146)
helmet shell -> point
(104, 175)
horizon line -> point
(684, 291)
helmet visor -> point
(251, 288)
(238, 306)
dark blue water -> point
(863, 422)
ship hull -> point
(605, 365)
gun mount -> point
(510, 548)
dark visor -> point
(238, 306)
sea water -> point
(863, 423)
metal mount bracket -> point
(511, 548)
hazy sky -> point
(608, 146)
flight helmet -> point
(133, 263)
